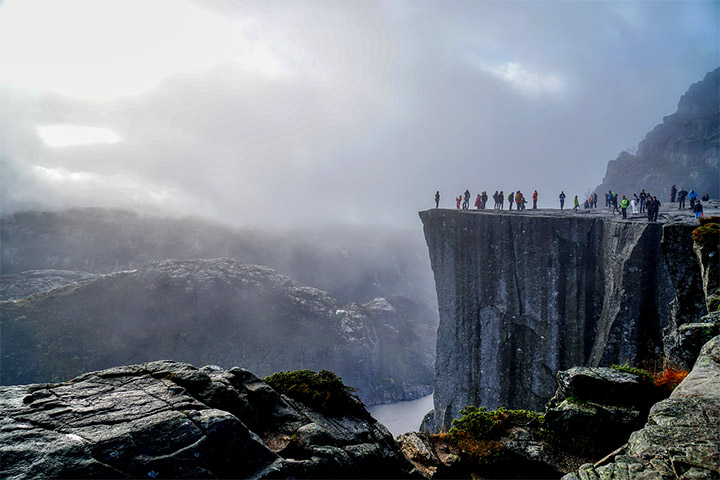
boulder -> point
(172, 420)
(681, 438)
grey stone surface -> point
(219, 311)
(681, 438)
(171, 420)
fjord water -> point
(402, 417)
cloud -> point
(528, 82)
(335, 111)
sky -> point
(293, 113)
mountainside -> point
(523, 295)
(353, 264)
(170, 420)
(683, 150)
(224, 313)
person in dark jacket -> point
(653, 209)
(484, 199)
(437, 199)
(706, 197)
(682, 194)
(673, 192)
(501, 197)
(643, 201)
(511, 199)
(562, 199)
(594, 200)
(698, 209)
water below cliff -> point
(402, 417)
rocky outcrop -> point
(595, 409)
(523, 295)
(683, 150)
(682, 436)
(218, 312)
(170, 420)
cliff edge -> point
(523, 295)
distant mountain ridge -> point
(352, 264)
(222, 312)
(683, 150)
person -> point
(457, 201)
(608, 198)
(535, 197)
(478, 201)
(466, 200)
(623, 206)
(595, 200)
(698, 209)
(643, 201)
(706, 197)
(511, 199)
(437, 199)
(634, 203)
(576, 203)
(693, 198)
(562, 199)
(501, 197)
(653, 209)
(519, 200)
(682, 194)
(484, 199)
(586, 203)
(614, 203)
(673, 192)
(523, 202)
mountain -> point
(683, 150)
(352, 264)
(220, 312)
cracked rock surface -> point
(172, 420)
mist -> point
(279, 115)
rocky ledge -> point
(172, 420)
(682, 436)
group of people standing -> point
(643, 203)
(517, 198)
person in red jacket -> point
(457, 201)
(535, 197)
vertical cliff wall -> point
(522, 296)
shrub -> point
(708, 233)
(476, 432)
(323, 391)
(669, 378)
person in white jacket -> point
(634, 202)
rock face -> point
(522, 296)
(683, 150)
(595, 409)
(682, 436)
(170, 420)
(218, 312)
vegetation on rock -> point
(666, 378)
(323, 391)
(708, 233)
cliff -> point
(171, 420)
(683, 150)
(523, 295)
(221, 312)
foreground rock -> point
(171, 420)
(222, 312)
(682, 436)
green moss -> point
(642, 373)
(323, 391)
(713, 303)
(481, 423)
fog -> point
(283, 114)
